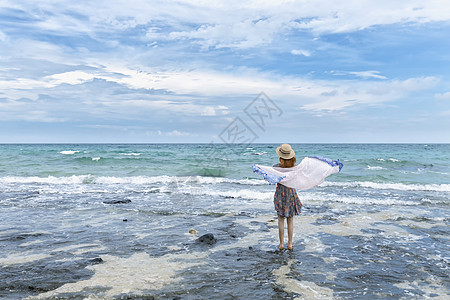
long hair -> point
(288, 163)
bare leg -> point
(281, 231)
(290, 226)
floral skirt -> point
(286, 201)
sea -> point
(125, 221)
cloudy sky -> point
(191, 71)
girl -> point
(286, 201)
(289, 178)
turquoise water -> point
(379, 229)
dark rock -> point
(207, 239)
(96, 261)
(250, 248)
(140, 297)
(117, 201)
(125, 220)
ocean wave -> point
(375, 168)
(203, 180)
(135, 180)
(390, 159)
(389, 186)
(69, 152)
(131, 154)
(74, 179)
(246, 194)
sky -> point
(297, 71)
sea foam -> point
(390, 186)
(69, 152)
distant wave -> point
(131, 154)
(138, 180)
(390, 159)
(69, 152)
(375, 168)
(390, 186)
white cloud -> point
(233, 23)
(368, 74)
(185, 87)
(301, 52)
(177, 133)
(338, 95)
(444, 96)
(99, 60)
(74, 77)
(208, 111)
(3, 37)
(362, 74)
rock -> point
(207, 239)
(125, 220)
(96, 261)
(117, 201)
(345, 223)
(193, 231)
(140, 297)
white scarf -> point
(309, 173)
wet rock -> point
(140, 297)
(207, 239)
(125, 220)
(96, 261)
(117, 201)
(193, 231)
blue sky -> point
(185, 71)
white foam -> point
(80, 248)
(313, 197)
(217, 180)
(136, 273)
(74, 179)
(390, 186)
(242, 194)
(260, 153)
(69, 152)
(308, 290)
(390, 159)
(131, 154)
(375, 168)
(21, 258)
(138, 180)
(96, 158)
(394, 160)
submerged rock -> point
(117, 201)
(96, 261)
(207, 239)
(193, 231)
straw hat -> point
(285, 151)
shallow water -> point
(74, 226)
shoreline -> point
(324, 246)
